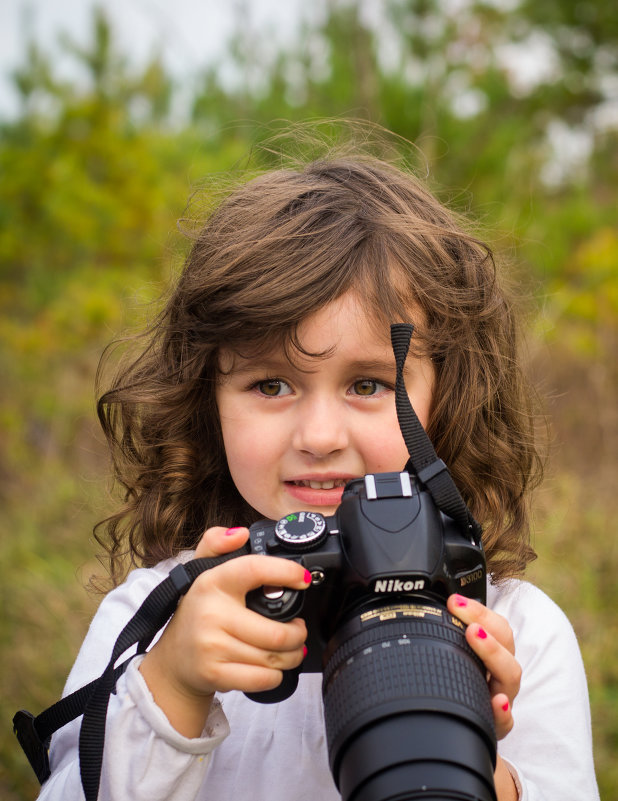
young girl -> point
(267, 384)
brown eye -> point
(365, 387)
(273, 387)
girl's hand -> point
(214, 643)
(491, 638)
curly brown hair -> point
(277, 249)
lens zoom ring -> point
(395, 630)
(428, 672)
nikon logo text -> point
(398, 585)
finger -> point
(247, 678)
(470, 611)
(503, 714)
(237, 652)
(238, 576)
(219, 540)
(266, 634)
(223, 672)
(505, 671)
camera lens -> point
(407, 708)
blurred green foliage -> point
(93, 179)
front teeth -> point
(321, 484)
(317, 485)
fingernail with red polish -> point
(307, 578)
(304, 651)
(505, 707)
(460, 600)
(232, 530)
(482, 634)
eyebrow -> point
(374, 365)
(244, 366)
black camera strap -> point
(424, 461)
(92, 700)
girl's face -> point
(295, 434)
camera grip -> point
(281, 604)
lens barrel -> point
(407, 708)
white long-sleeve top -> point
(277, 752)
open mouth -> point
(309, 492)
(318, 485)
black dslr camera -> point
(406, 702)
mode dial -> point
(301, 531)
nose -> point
(321, 427)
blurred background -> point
(112, 114)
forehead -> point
(345, 329)
(345, 318)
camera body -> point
(407, 709)
(387, 542)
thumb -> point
(219, 540)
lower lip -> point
(315, 497)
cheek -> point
(240, 449)
(390, 458)
(253, 466)
(250, 444)
(240, 456)
(248, 436)
(384, 449)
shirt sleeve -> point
(549, 750)
(144, 756)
